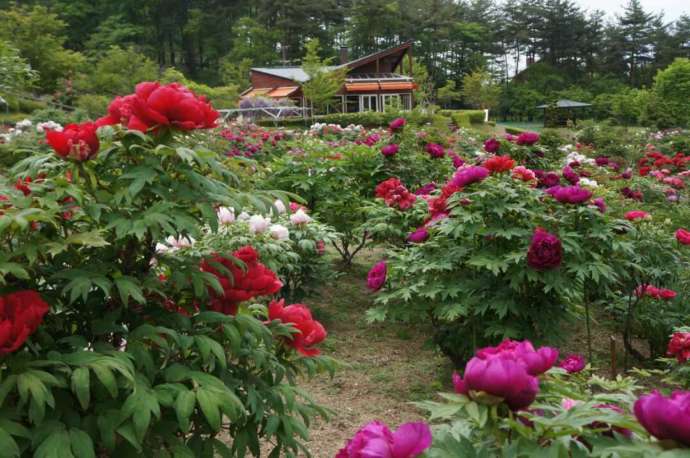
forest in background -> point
(90, 48)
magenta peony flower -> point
(390, 150)
(467, 175)
(683, 236)
(397, 124)
(457, 160)
(426, 189)
(435, 150)
(535, 361)
(492, 145)
(570, 194)
(665, 418)
(377, 276)
(600, 204)
(500, 376)
(527, 138)
(418, 236)
(376, 440)
(573, 363)
(545, 251)
(602, 161)
(570, 175)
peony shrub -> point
(122, 331)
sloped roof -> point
(565, 103)
(297, 74)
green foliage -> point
(220, 96)
(123, 364)
(15, 72)
(447, 94)
(324, 82)
(93, 105)
(39, 35)
(465, 118)
(480, 91)
(117, 71)
(672, 90)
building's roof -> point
(567, 104)
(275, 92)
(298, 74)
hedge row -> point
(461, 118)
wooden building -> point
(373, 83)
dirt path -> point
(388, 365)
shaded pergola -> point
(565, 106)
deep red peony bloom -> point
(395, 194)
(683, 236)
(655, 293)
(154, 105)
(679, 346)
(254, 279)
(492, 145)
(499, 164)
(22, 185)
(311, 332)
(76, 141)
(21, 313)
(545, 252)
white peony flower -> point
(226, 215)
(258, 224)
(48, 125)
(161, 248)
(244, 216)
(588, 182)
(279, 206)
(279, 232)
(300, 217)
(23, 124)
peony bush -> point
(123, 329)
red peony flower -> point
(21, 313)
(679, 346)
(499, 164)
(545, 252)
(395, 194)
(683, 236)
(154, 105)
(76, 141)
(637, 215)
(254, 279)
(311, 332)
(22, 185)
(527, 138)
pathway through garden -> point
(388, 365)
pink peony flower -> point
(683, 236)
(535, 361)
(376, 277)
(523, 173)
(573, 363)
(570, 194)
(376, 440)
(600, 204)
(635, 215)
(527, 138)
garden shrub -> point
(127, 352)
